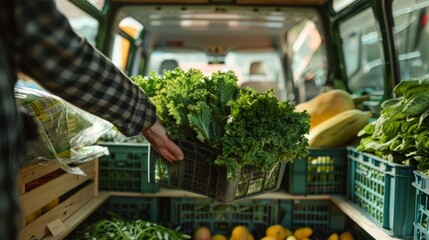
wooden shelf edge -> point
(77, 218)
(360, 219)
(169, 192)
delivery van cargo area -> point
(299, 119)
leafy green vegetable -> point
(262, 131)
(130, 230)
(401, 132)
(246, 127)
(407, 84)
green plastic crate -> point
(320, 215)
(421, 219)
(220, 218)
(126, 168)
(128, 208)
(131, 208)
(197, 174)
(382, 191)
(322, 172)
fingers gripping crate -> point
(421, 219)
(320, 215)
(125, 169)
(322, 172)
(382, 190)
(221, 218)
(197, 174)
(49, 195)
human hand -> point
(157, 137)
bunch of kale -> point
(245, 127)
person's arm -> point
(65, 64)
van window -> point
(411, 35)
(362, 50)
(262, 66)
(168, 58)
(122, 45)
(307, 59)
(81, 22)
(339, 5)
(98, 3)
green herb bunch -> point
(119, 229)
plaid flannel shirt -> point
(38, 40)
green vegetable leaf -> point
(417, 103)
(200, 119)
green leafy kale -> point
(245, 126)
(263, 131)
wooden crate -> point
(49, 196)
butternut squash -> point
(326, 105)
(337, 131)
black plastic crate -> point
(197, 174)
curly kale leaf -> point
(262, 131)
(192, 106)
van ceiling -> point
(229, 26)
(259, 2)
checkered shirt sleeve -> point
(69, 67)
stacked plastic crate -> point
(321, 174)
(126, 168)
(382, 191)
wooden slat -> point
(63, 211)
(40, 196)
(34, 172)
(78, 217)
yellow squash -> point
(339, 129)
(326, 105)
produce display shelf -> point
(347, 207)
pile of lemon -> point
(278, 232)
(274, 232)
